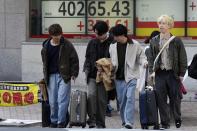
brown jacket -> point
(68, 60)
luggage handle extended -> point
(78, 105)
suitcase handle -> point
(78, 106)
(78, 111)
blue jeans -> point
(126, 99)
(59, 97)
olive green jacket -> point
(177, 55)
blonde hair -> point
(167, 19)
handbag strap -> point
(165, 45)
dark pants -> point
(168, 85)
(97, 103)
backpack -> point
(192, 68)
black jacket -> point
(93, 53)
(192, 69)
(68, 60)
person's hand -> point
(152, 75)
(152, 78)
(145, 64)
(99, 68)
(181, 78)
(86, 74)
(73, 78)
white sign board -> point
(192, 10)
(150, 10)
(71, 15)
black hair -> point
(55, 30)
(119, 30)
(101, 27)
(153, 34)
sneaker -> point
(128, 126)
(178, 123)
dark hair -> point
(119, 30)
(55, 30)
(153, 34)
(101, 27)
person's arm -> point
(74, 63)
(141, 56)
(182, 58)
(86, 66)
(151, 58)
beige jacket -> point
(105, 76)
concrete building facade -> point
(20, 55)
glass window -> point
(77, 17)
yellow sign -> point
(18, 94)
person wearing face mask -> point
(60, 65)
(168, 69)
(97, 96)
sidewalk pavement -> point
(33, 112)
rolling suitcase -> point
(78, 107)
(148, 109)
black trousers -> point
(97, 103)
(168, 86)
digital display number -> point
(95, 8)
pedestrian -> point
(192, 69)
(168, 68)
(97, 96)
(126, 55)
(150, 81)
(147, 41)
(60, 65)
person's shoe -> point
(61, 125)
(92, 125)
(128, 126)
(100, 126)
(178, 123)
(52, 125)
(163, 127)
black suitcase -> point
(148, 109)
(78, 107)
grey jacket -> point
(134, 58)
(177, 55)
